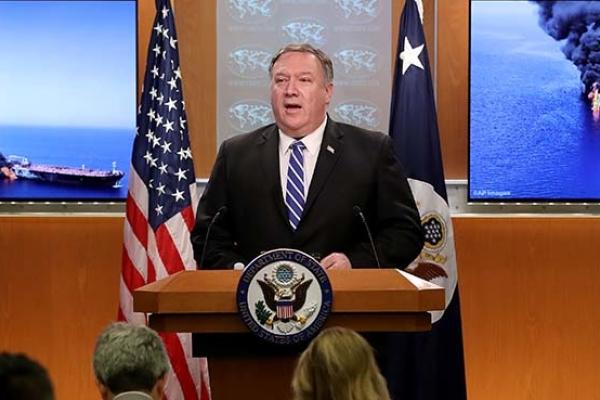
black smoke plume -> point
(579, 23)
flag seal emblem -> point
(435, 231)
(284, 296)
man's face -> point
(299, 94)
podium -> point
(241, 366)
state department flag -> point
(433, 361)
(162, 200)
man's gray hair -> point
(323, 58)
(129, 357)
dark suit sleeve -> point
(220, 249)
(393, 217)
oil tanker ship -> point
(84, 176)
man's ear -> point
(159, 388)
(328, 92)
(104, 392)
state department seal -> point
(284, 296)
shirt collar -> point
(137, 393)
(312, 141)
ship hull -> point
(65, 179)
(65, 175)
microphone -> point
(358, 212)
(220, 211)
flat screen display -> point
(534, 118)
(67, 99)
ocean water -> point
(532, 132)
(93, 148)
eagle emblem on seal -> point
(284, 296)
(284, 293)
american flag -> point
(162, 200)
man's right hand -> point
(336, 261)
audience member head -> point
(339, 364)
(130, 358)
(21, 378)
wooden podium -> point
(240, 366)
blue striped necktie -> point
(294, 191)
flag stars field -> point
(178, 195)
(171, 104)
(172, 83)
(181, 174)
(151, 114)
(168, 126)
(166, 147)
(163, 168)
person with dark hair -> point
(5, 170)
(22, 378)
(130, 363)
(338, 364)
(307, 182)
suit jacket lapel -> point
(329, 154)
(268, 151)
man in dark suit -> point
(306, 182)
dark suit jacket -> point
(360, 171)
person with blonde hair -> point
(338, 364)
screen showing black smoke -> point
(534, 101)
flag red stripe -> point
(204, 389)
(131, 276)
(151, 271)
(137, 220)
(188, 216)
(180, 367)
(167, 250)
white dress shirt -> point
(312, 141)
(133, 395)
